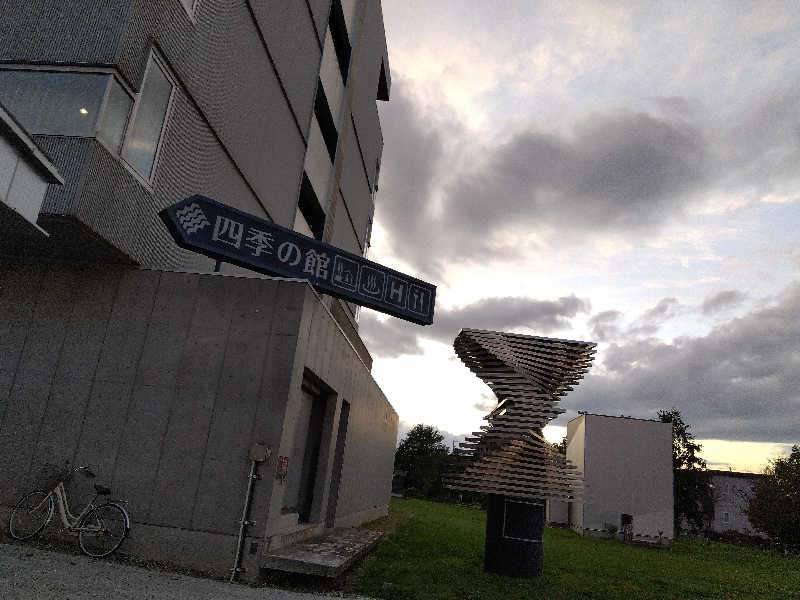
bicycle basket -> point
(49, 476)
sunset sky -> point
(624, 173)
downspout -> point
(258, 453)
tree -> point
(692, 491)
(423, 455)
(774, 505)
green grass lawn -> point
(436, 551)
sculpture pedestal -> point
(514, 529)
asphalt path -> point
(29, 573)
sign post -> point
(230, 235)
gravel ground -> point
(28, 573)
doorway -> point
(315, 402)
(298, 496)
(338, 461)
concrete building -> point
(731, 492)
(156, 365)
(627, 471)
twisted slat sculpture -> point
(509, 458)
(528, 374)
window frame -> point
(152, 58)
(103, 104)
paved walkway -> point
(27, 573)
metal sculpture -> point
(509, 459)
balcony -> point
(25, 175)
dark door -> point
(338, 461)
(308, 473)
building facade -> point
(627, 472)
(731, 495)
(159, 366)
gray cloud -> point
(649, 323)
(663, 310)
(741, 381)
(618, 171)
(394, 337)
(762, 147)
(604, 325)
(721, 301)
(389, 338)
(486, 403)
(409, 167)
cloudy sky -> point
(625, 173)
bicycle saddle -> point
(102, 490)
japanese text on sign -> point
(227, 234)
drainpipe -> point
(258, 453)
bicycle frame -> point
(69, 520)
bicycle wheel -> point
(103, 529)
(31, 514)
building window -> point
(67, 103)
(338, 27)
(149, 117)
(725, 517)
(190, 6)
(325, 121)
(112, 123)
(310, 211)
(383, 84)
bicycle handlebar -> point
(85, 468)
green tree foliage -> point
(423, 455)
(692, 491)
(774, 505)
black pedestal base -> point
(514, 531)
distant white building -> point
(627, 469)
(731, 493)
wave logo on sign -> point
(192, 218)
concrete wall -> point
(159, 380)
(628, 469)
(731, 492)
(576, 447)
(365, 483)
(162, 381)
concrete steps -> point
(328, 555)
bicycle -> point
(101, 529)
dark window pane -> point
(51, 103)
(325, 120)
(115, 116)
(142, 142)
(341, 42)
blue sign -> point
(230, 235)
